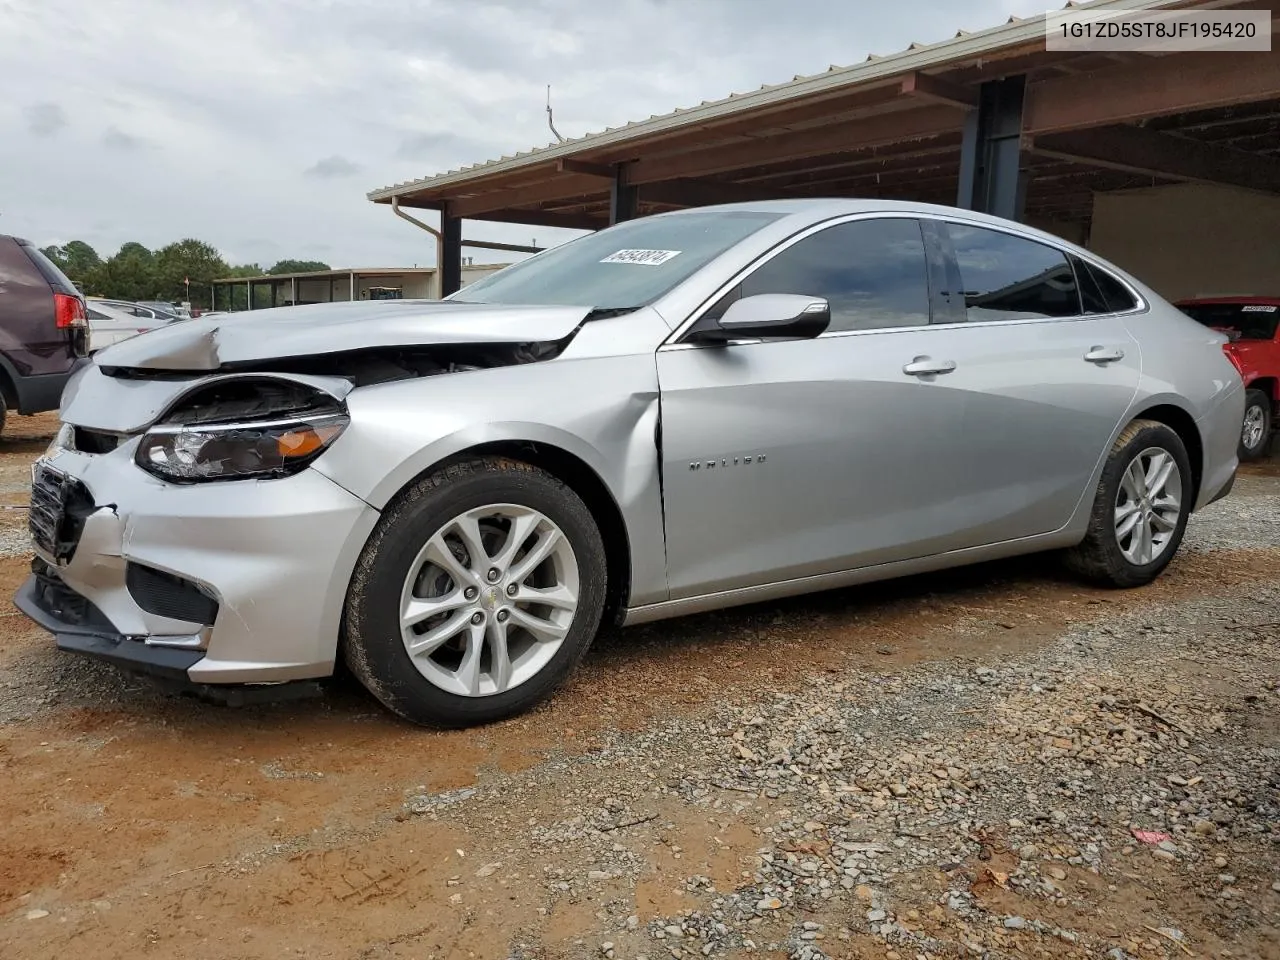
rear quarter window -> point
(49, 270)
(1114, 296)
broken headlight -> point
(237, 451)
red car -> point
(1251, 323)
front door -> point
(793, 458)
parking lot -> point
(948, 765)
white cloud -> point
(236, 102)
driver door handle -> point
(1104, 354)
(925, 366)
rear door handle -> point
(925, 366)
(1104, 354)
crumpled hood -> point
(227, 341)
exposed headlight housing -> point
(210, 437)
(61, 440)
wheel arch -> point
(9, 385)
(583, 480)
(1268, 385)
(1184, 425)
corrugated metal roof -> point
(917, 56)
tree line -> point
(135, 273)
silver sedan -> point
(679, 413)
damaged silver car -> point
(679, 413)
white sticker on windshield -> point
(1259, 308)
(647, 258)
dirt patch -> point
(691, 773)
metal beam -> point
(495, 245)
(554, 187)
(796, 145)
(418, 203)
(1134, 150)
(700, 193)
(1188, 81)
(818, 169)
(991, 151)
(622, 195)
(450, 252)
(602, 171)
(543, 218)
(924, 87)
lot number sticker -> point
(646, 258)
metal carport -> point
(990, 120)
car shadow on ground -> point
(818, 631)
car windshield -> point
(1243, 321)
(623, 267)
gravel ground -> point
(987, 763)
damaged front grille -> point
(59, 507)
(93, 441)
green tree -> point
(79, 261)
(298, 266)
(192, 260)
(129, 275)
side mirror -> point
(769, 316)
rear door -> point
(1043, 376)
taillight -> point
(1234, 358)
(69, 311)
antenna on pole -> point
(550, 119)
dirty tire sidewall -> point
(1098, 557)
(1259, 399)
(372, 644)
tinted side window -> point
(1009, 278)
(1114, 293)
(872, 272)
(1091, 297)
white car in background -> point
(137, 309)
(110, 324)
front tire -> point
(1255, 430)
(479, 591)
(1140, 509)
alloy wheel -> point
(1148, 505)
(489, 599)
(1255, 422)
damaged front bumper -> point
(203, 585)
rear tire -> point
(492, 572)
(1140, 509)
(4, 413)
(1255, 430)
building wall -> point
(1189, 240)
(1071, 232)
(413, 286)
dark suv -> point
(44, 333)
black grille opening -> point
(59, 507)
(94, 441)
(64, 603)
(166, 595)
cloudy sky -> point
(260, 126)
